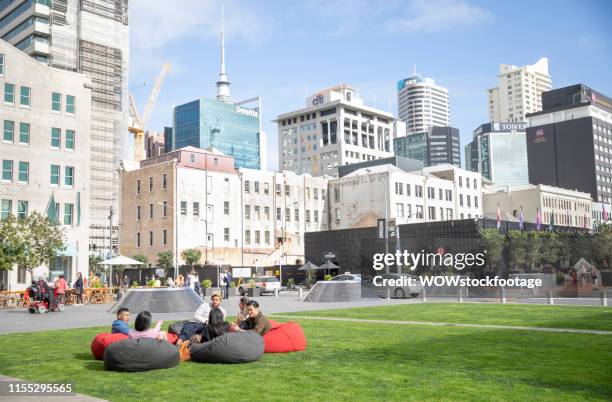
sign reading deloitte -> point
(247, 112)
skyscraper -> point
(90, 37)
(422, 104)
(519, 91)
(436, 146)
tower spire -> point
(223, 92)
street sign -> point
(381, 227)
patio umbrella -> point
(119, 260)
(328, 266)
(309, 266)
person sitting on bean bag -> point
(215, 302)
(143, 328)
(195, 326)
(243, 313)
(120, 324)
(256, 322)
(216, 326)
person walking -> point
(78, 288)
(595, 278)
(228, 281)
(61, 286)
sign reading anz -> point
(247, 112)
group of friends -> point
(208, 323)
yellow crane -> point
(138, 124)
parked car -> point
(347, 277)
(266, 284)
(399, 292)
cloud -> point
(155, 23)
(430, 16)
(590, 42)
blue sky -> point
(280, 49)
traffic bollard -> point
(551, 301)
(604, 298)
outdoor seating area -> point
(12, 299)
(15, 299)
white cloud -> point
(428, 16)
(155, 23)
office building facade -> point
(498, 151)
(438, 145)
(154, 144)
(422, 104)
(569, 143)
(89, 37)
(519, 91)
(45, 115)
(334, 129)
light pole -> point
(175, 230)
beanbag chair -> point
(288, 337)
(274, 324)
(177, 327)
(172, 338)
(232, 347)
(141, 354)
(101, 342)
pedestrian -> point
(170, 282)
(78, 288)
(61, 286)
(125, 284)
(595, 278)
(228, 281)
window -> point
(24, 96)
(68, 211)
(287, 190)
(337, 215)
(267, 237)
(192, 158)
(278, 214)
(70, 104)
(468, 201)
(440, 197)
(70, 139)
(247, 186)
(316, 216)
(316, 193)
(7, 170)
(150, 184)
(247, 236)
(164, 237)
(183, 207)
(226, 207)
(307, 193)
(256, 187)
(226, 234)
(431, 193)
(150, 211)
(475, 184)
(476, 201)
(296, 214)
(138, 239)
(22, 209)
(69, 176)
(138, 186)
(7, 206)
(24, 133)
(137, 212)
(266, 188)
(247, 212)
(336, 194)
(460, 181)
(56, 102)
(1, 65)
(419, 212)
(323, 194)
(400, 210)
(278, 189)
(267, 213)
(150, 238)
(432, 213)
(164, 181)
(9, 131)
(196, 209)
(56, 137)
(449, 195)
(307, 216)
(165, 208)
(256, 210)
(257, 237)
(287, 215)
(461, 199)
(449, 214)
(24, 172)
(9, 93)
(418, 191)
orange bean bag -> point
(101, 341)
(286, 337)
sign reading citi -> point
(247, 112)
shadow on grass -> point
(94, 365)
(83, 356)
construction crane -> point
(138, 124)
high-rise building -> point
(436, 146)
(168, 139)
(569, 143)
(90, 37)
(422, 104)
(154, 144)
(334, 129)
(45, 117)
(499, 152)
(234, 128)
(519, 91)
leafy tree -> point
(493, 244)
(42, 240)
(164, 260)
(191, 256)
(533, 249)
(552, 248)
(94, 264)
(12, 243)
(517, 241)
(141, 258)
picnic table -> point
(12, 299)
(99, 295)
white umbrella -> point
(119, 260)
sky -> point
(282, 50)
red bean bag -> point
(275, 324)
(101, 341)
(172, 338)
(286, 337)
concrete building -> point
(90, 37)
(422, 104)
(335, 128)
(241, 217)
(498, 151)
(437, 193)
(569, 143)
(598, 216)
(45, 153)
(436, 146)
(154, 144)
(564, 207)
(519, 91)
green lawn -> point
(353, 361)
(472, 313)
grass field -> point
(360, 361)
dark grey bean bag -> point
(233, 347)
(177, 327)
(140, 355)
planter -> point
(253, 292)
(211, 291)
(232, 292)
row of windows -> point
(164, 183)
(25, 98)
(266, 189)
(6, 209)
(23, 173)
(550, 202)
(407, 212)
(164, 240)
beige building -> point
(565, 207)
(195, 198)
(45, 154)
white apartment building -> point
(195, 198)
(90, 37)
(564, 207)
(519, 91)
(422, 104)
(45, 115)
(437, 193)
(334, 129)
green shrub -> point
(290, 283)
(151, 283)
(251, 283)
(135, 283)
(207, 283)
(232, 285)
(328, 277)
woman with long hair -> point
(216, 325)
(142, 327)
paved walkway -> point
(446, 324)
(46, 398)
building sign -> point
(485, 162)
(601, 100)
(318, 100)
(540, 136)
(519, 126)
(247, 112)
(329, 256)
(380, 228)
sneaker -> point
(184, 351)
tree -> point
(533, 249)
(42, 241)
(191, 256)
(493, 244)
(552, 248)
(94, 264)
(11, 245)
(164, 260)
(142, 258)
(517, 242)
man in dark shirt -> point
(256, 322)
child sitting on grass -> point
(142, 328)
(120, 324)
